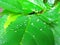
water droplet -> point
(32, 24)
(26, 31)
(24, 22)
(20, 25)
(49, 19)
(56, 22)
(15, 31)
(41, 29)
(44, 23)
(59, 12)
(17, 25)
(37, 20)
(34, 36)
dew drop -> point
(24, 22)
(17, 25)
(34, 36)
(20, 25)
(44, 23)
(15, 31)
(59, 12)
(37, 20)
(50, 19)
(32, 24)
(56, 22)
(41, 29)
(26, 31)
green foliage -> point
(30, 22)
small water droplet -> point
(15, 31)
(37, 20)
(59, 12)
(56, 22)
(41, 29)
(20, 25)
(34, 36)
(44, 23)
(24, 22)
(26, 31)
(32, 24)
(17, 25)
(49, 19)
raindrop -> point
(56, 22)
(26, 31)
(17, 25)
(59, 12)
(41, 29)
(50, 19)
(37, 20)
(44, 23)
(15, 31)
(24, 22)
(32, 24)
(34, 36)
(20, 25)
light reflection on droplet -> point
(41, 29)
(32, 24)
(37, 20)
(15, 31)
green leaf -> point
(30, 22)
(24, 6)
(27, 30)
(2, 21)
(56, 29)
(12, 5)
(32, 5)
